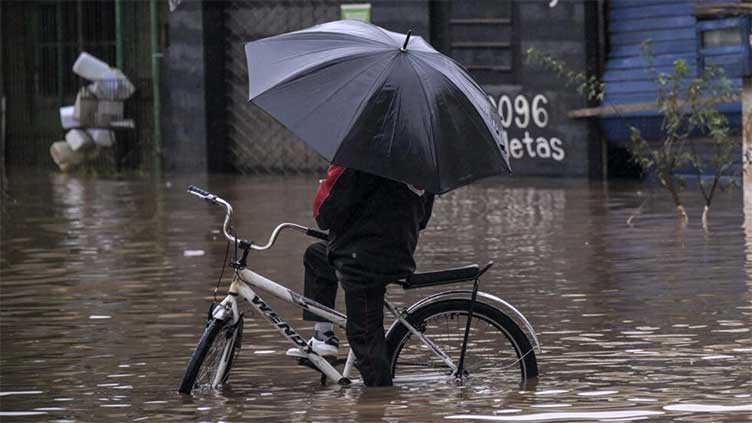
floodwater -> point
(106, 282)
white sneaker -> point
(326, 348)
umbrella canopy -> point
(381, 102)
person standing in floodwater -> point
(373, 225)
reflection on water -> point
(105, 286)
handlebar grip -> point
(198, 190)
(317, 234)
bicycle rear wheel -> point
(214, 355)
(496, 348)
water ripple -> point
(105, 287)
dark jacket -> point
(373, 224)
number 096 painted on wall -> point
(526, 116)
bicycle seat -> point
(441, 277)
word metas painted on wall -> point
(526, 115)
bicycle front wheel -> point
(213, 357)
(496, 347)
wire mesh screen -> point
(41, 41)
(258, 144)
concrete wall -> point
(553, 144)
(535, 103)
(184, 109)
(401, 16)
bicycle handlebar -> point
(205, 195)
(315, 233)
(197, 191)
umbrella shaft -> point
(407, 38)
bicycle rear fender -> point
(491, 300)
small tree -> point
(589, 86)
(687, 107)
(670, 153)
(712, 123)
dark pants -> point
(365, 314)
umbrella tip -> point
(407, 38)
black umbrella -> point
(379, 101)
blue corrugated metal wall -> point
(675, 33)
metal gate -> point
(40, 41)
(258, 144)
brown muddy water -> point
(106, 283)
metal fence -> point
(258, 144)
(40, 42)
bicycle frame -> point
(242, 286)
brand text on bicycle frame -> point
(281, 324)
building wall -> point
(566, 32)
(673, 32)
(489, 37)
(184, 119)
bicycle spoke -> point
(424, 365)
(488, 352)
(213, 360)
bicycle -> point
(453, 334)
